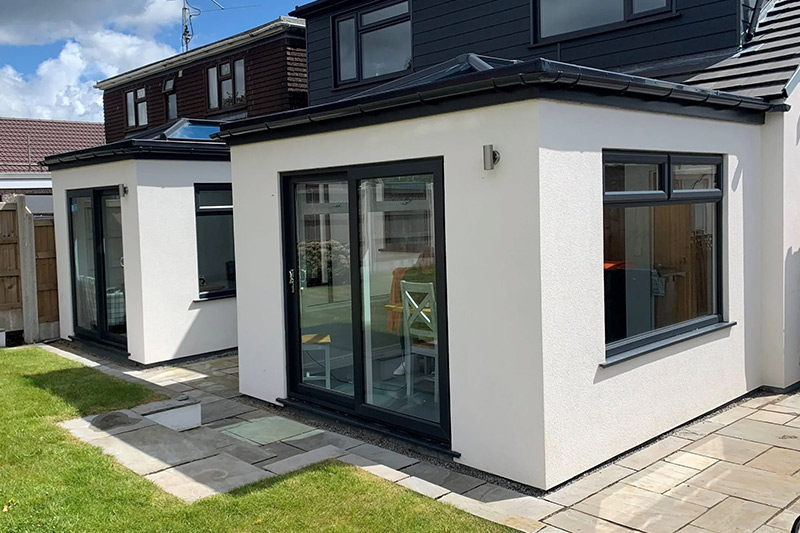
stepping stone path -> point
(735, 471)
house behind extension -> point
(260, 71)
(24, 143)
(529, 234)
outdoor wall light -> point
(490, 157)
(123, 190)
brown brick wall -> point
(275, 80)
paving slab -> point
(574, 521)
(249, 453)
(687, 493)
(423, 487)
(698, 430)
(383, 456)
(214, 475)
(153, 448)
(784, 520)
(526, 525)
(652, 453)
(760, 401)
(660, 477)
(213, 411)
(267, 430)
(382, 471)
(735, 516)
(729, 416)
(769, 529)
(318, 438)
(765, 433)
(305, 459)
(749, 484)
(210, 437)
(640, 509)
(112, 423)
(214, 364)
(254, 415)
(280, 451)
(778, 460)
(512, 503)
(551, 529)
(691, 460)
(792, 402)
(588, 485)
(443, 477)
(474, 507)
(776, 408)
(728, 449)
(772, 417)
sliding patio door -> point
(98, 265)
(366, 300)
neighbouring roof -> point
(518, 81)
(26, 142)
(764, 67)
(270, 29)
(180, 139)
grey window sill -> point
(658, 345)
(214, 297)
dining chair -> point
(420, 333)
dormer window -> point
(136, 108)
(226, 84)
(560, 20)
(373, 43)
(171, 98)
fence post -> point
(27, 272)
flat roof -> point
(269, 29)
(539, 78)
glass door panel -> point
(398, 286)
(113, 266)
(83, 262)
(323, 280)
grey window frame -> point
(136, 101)
(657, 338)
(629, 19)
(360, 29)
(211, 211)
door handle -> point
(291, 280)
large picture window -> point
(661, 241)
(373, 43)
(216, 264)
(558, 18)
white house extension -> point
(144, 240)
(614, 270)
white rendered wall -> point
(491, 232)
(93, 176)
(592, 414)
(175, 323)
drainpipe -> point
(751, 26)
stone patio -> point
(735, 471)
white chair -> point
(420, 333)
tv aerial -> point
(188, 12)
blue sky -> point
(52, 53)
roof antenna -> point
(187, 13)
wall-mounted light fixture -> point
(490, 157)
(123, 190)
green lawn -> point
(51, 482)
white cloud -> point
(96, 48)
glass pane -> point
(172, 106)
(216, 266)
(560, 16)
(693, 177)
(131, 109)
(641, 6)
(225, 69)
(620, 177)
(347, 49)
(238, 74)
(386, 50)
(384, 13)
(141, 108)
(227, 92)
(398, 276)
(195, 131)
(169, 84)
(213, 97)
(140, 94)
(83, 266)
(660, 267)
(114, 265)
(323, 280)
(213, 198)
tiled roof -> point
(762, 68)
(25, 142)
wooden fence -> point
(28, 280)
